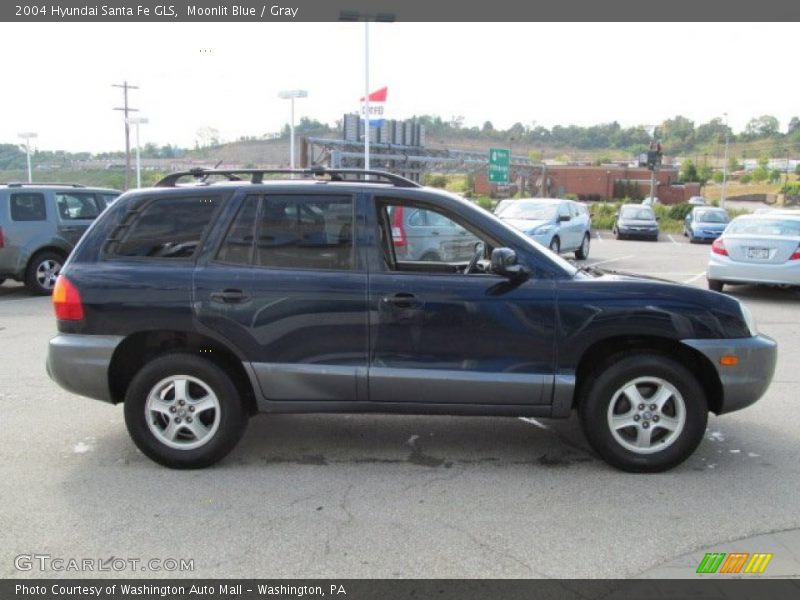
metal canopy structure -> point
(411, 162)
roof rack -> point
(257, 175)
(41, 183)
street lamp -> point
(725, 164)
(28, 136)
(138, 121)
(348, 15)
(291, 95)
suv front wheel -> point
(184, 411)
(644, 413)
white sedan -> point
(759, 248)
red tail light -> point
(795, 256)
(2, 239)
(718, 247)
(67, 300)
(398, 231)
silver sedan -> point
(760, 248)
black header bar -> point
(400, 10)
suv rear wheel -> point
(644, 413)
(42, 271)
(184, 411)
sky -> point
(227, 75)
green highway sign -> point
(499, 160)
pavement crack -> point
(497, 551)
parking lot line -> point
(533, 421)
(597, 234)
(696, 277)
(602, 262)
(672, 239)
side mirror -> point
(504, 263)
(658, 218)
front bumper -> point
(747, 381)
(79, 363)
(705, 235)
(638, 232)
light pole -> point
(725, 164)
(138, 121)
(347, 15)
(291, 95)
(28, 136)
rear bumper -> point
(747, 381)
(725, 269)
(79, 363)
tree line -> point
(678, 135)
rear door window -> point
(76, 206)
(305, 232)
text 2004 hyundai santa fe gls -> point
(198, 305)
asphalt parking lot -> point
(371, 496)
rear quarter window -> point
(170, 227)
(27, 206)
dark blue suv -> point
(199, 304)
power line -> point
(127, 109)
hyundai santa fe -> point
(217, 295)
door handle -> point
(229, 296)
(403, 300)
(69, 229)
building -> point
(604, 182)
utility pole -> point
(127, 109)
(725, 165)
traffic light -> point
(654, 158)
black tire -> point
(555, 245)
(41, 272)
(2, 280)
(607, 385)
(715, 285)
(231, 419)
(430, 257)
(582, 253)
(617, 234)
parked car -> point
(420, 234)
(636, 221)
(40, 224)
(762, 248)
(651, 200)
(705, 224)
(561, 225)
(503, 204)
(198, 306)
(697, 201)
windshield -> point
(784, 228)
(711, 216)
(637, 213)
(530, 211)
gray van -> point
(40, 223)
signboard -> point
(377, 107)
(499, 160)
